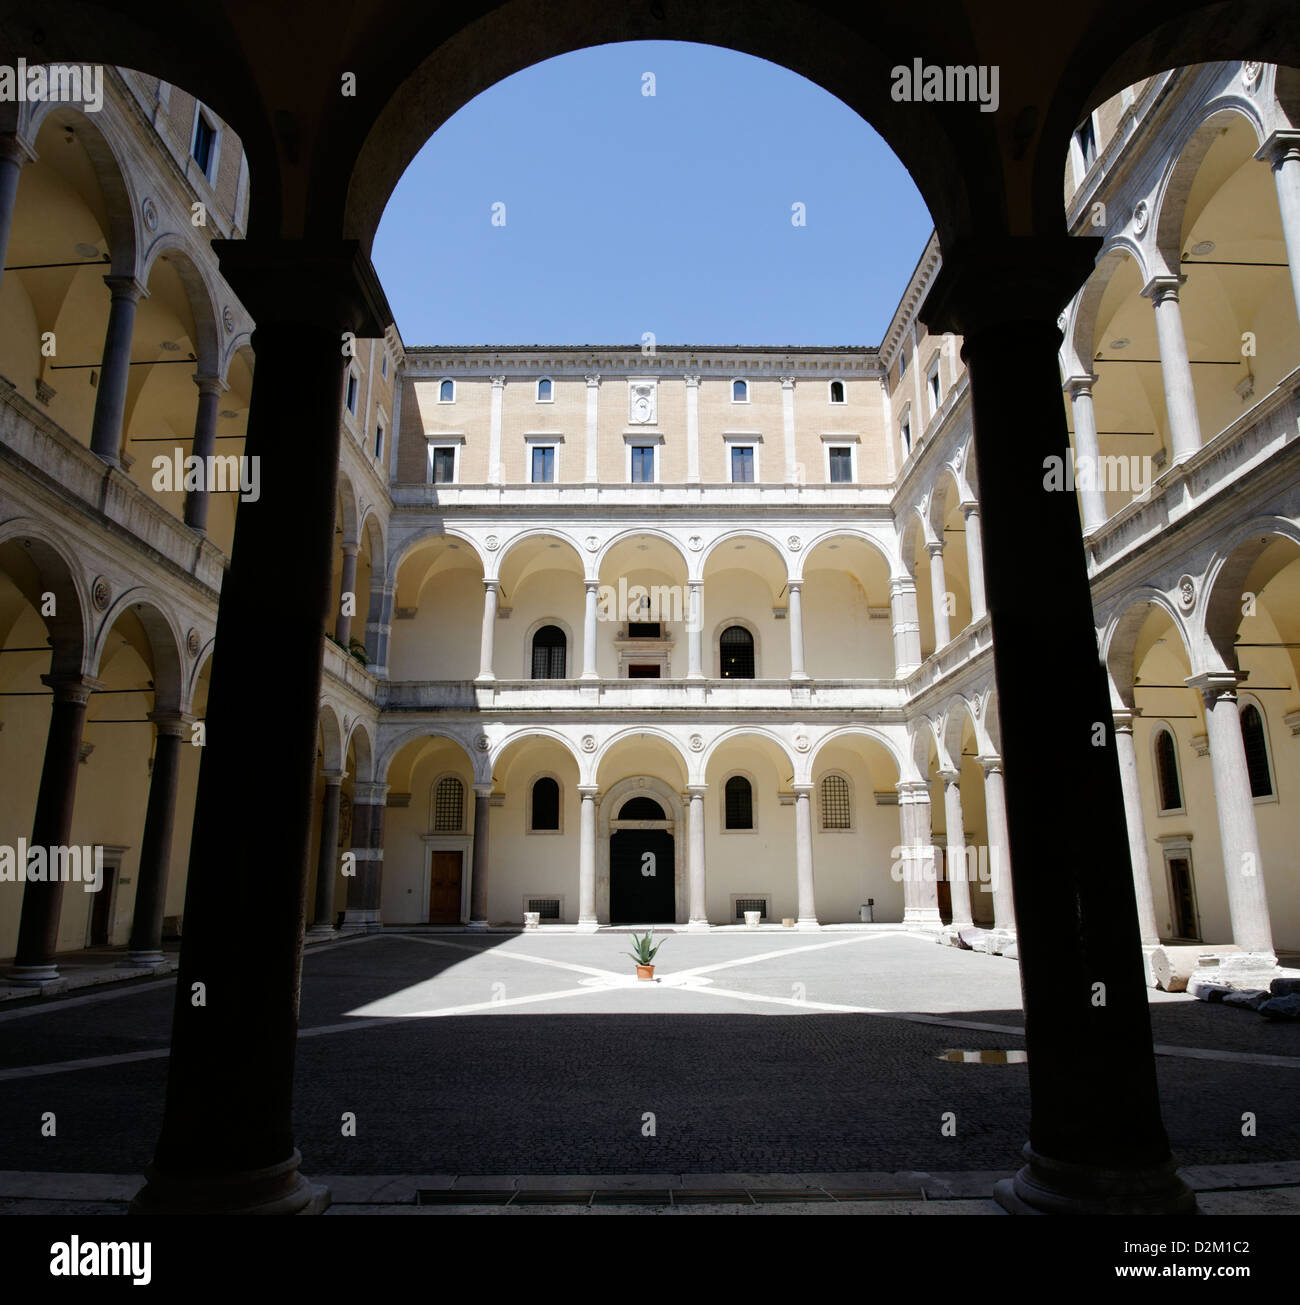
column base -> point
(591, 677)
(800, 676)
(142, 960)
(322, 931)
(588, 926)
(1046, 1186)
(276, 1190)
(928, 915)
(477, 924)
(485, 679)
(361, 920)
(33, 976)
(697, 926)
(807, 924)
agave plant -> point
(643, 954)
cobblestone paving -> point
(744, 1059)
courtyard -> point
(473, 1059)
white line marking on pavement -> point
(788, 951)
(520, 956)
(52, 1004)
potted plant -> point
(643, 954)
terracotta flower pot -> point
(645, 971)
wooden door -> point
(444, 887)
(641, 889)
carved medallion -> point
(101, 593)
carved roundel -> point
(101, 593)
(228, 320)
(801, 743)
(192, 642)
(588, 743)
(1141, 216)
(697, 743)
(481, 743)
(977, 706)
(1250, 71)
(794, 543)
(592, 543)
(695, 543)
(492, 543)
(150, 211)
(1186, 593)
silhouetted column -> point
(1092, 492)
(478, 884)
(938, 595)
(958, 883)
(1281, 151)
(974, 560)
(589, 627)
(907, 625)
(803, 849)
(14, 152)
(347, 585)
(197, 501)
(487, 642)
(1137, 828)
(699, 914)
(38, 924)
(1097, 1142)
(364, 912)
(795, 617)
(115, 373)
(227, 1139)
(327, 860)
(1175, 370)
(145, 947)
(1243, 865)
(587, 859)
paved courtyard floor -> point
(770, 1053)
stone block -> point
(1285, 986)
(1282, 1008)
(1250, 998)
(1203, 991)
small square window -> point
(543, 465)
(841, 465)
(742, 465)
(643, 464)
(444, 466)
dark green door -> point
(641, 877)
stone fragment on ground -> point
(1282, 1008)
(1251, 998)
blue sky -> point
(627, 213)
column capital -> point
(989, 282)
(483, 790)
(498, 381)
(1080, 385)
(794, 586)
(1124, 718)
(1280, 147)
(901, 584)
(692, 380)
(970, 508)
(934, 547)
(351, 549)
(1162, 287)
(802, 790)
(1214, 686)
(591, 586)
(787, 382)
(127, 287)
(333, 778)
(491, 583)
(327, 284)
(589, 792)
(593, 380)
(72, 688)
(173, 723)
(369, 794)
(14, 149)
(990, 763)
(208, 384)
(696, 790)
(913, 789)
(950, 775)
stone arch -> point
(1081, 338)
(165, 643)
(350, 508)
(331, 732)
(830, 532)
(58, 573)
(633, 532)
(849, 731)
(1119, 641)
(372, 526)
(1225, 578)
(957, 711)
(527, 732)
(387, 754)
(632, 731)
(760, 536)
(738, 731)
(539, 532)
(359, 738)
(438, 530)
(200, 293)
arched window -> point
(546, 805)
(738, 803)
(740, 391)
(447, 392)
(544, 390)
(1252, 736)
(836, 811)
(1168, 786)
(837, 391)
(641, 808)
(736, 654)
(550, 649)
(448, 806)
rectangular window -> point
(205, 136)
(907, 437)
(383, 366)
(841, 461)
(643, 465)
(934, 391)
(379, 440)
(645, 630)
(444, 466)
(1087, 139)
(352, 394)
(543, 465)
(742, 466)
